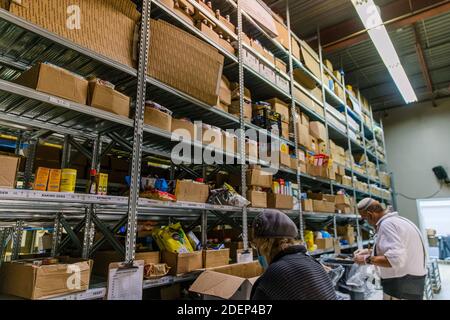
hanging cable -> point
(428, 197)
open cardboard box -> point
(232, 282)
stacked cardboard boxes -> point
(258, 182)
(235, 107)
(282, 108)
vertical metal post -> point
(204, 217)
(18, 144)
(67, 148)
(133, 200)
(88, 227)
(17, 240)
(293, 113)
(242, 124)
(324, 100)
(358, 230)
(28, 174)
(56, 239)
(3, 244)
(335, 227)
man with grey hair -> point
(399, 252)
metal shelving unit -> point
(22, 44)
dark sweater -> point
(293, 275)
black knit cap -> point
(274, 224)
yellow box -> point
(68, 180)
(102, 183)
(41, 179)
(54, 180)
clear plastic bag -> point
(362, 277)
(336, 274)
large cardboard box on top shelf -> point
(103, 97)
(310, 58)
(119, 17)
(185, 62)
(102, 259)
(55, 81)
(189, 191)
(8, 171)
(181, 263)
(157, 118)
(216, 258)
(232, 282)
(23, 279)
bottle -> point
(92, 187)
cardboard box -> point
(230, 142)
(41, 179)
(280, 201)
(307, 205)
(102, 183)
(304, 79)
(285, 159)
(54, 180)
(296, 49)
(285, 130)
(303, 99)
(184, 128)
(259, 178)
(181, 263)
(310, 58)
(328, 64)
(323, 244)
(8, 171)
(103, 97)
(157, 118)
(281, 107)
(212, 136)
(55, 81)
(189, 191)
(250, 59)
(342, 199)
(102, 259)
(234, 109)
(251, 149)
(193, 66)
(283, 34)
(304, 139)
(216, 258)
(258, 199)
(22, 279)
(323, 206)
(294, 163)
(280, 65)
(232, 282)
(318, 130)
(267, 72)
(224, 91)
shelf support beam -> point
(17, 240)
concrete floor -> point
(444, 294)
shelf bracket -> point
(17, 240)
(97, 245)
(108, 235)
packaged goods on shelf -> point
(33, 279)
(227, 196)
(216, 258)
(267, 72)
(283, 33)
(304, 139)
(154, 271)
(8, 170)
(182, 8)
(184, 128)
(339, 91)
(303, 99)
(207, 28)
(68, 180)
(102, 183)
(157, 116)
(280, 65)
(172, 238)
(54, 180)
(226, 21)
(259, 178)
(323, 147)
(335, 113)
(347, 181)
(317, 130)
(48, 78)
(347, 233)
(258, 199)
(240, 276)
(385, 179)
(324, 243)
(285, 130)
(296, 49)
(309, 240)
(181, 263)
(102, 259)
(307, 205)
(236, 110)
(212, 136)
(338, 75)
(41, 179)
(285, 158)
(328, 64)
(198, 66)
(265, 117)
(281, 107)
(119, 17)
(250, 59)
(225, 91)
(102, 95)
(294, 165)
(353, 124)
(190, 191)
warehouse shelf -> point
(343, 247)
(308, 93)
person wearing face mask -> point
(399, 252)
(290, 274)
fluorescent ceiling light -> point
(370, 17)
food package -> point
(195, 242)
(157, 195)
(173, 239)
(309, 240)
(152, 271)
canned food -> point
(68, 180)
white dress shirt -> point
(401, 242)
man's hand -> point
(361, 259)
(362, 251)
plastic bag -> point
(173, 239)
(335, 274)
(362, 277)
(227, 196)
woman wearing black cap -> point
(290, 273)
